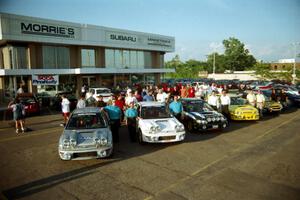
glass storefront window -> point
(140, 59)
(118, 59)
(126, 60)
(56, 57)
(109, 58)
(88, 58)
(148, 59)
(18, 57)
(133, 59)
(115, 58)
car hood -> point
(86, 136)
(203, 115)
(164, 124)
(242, 108)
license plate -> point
(215, 126)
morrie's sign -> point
(47, 30)
(44, 79)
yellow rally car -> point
(240, 110)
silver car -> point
(86, 135)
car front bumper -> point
(244, 117)
(164, 138)
(83, 154)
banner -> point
(45, 80)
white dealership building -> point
(37, 52)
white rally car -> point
(157, 125)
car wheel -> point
(140, 137)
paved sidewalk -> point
(33, 120)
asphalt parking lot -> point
(249, 160)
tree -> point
(236, 56)
(220, 63)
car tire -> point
(140, 137)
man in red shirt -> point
(191, 92)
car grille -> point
(167, 137)
(85, 154)
(85, 146)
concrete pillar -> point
(2, 89)
(157, 78)
(78, 85)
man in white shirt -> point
(161, 96)
(65, 108)
(214, 101)
(225, 103)
(260, 102)
(130, 98)
(251, 98)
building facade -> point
(285, 64)
(38, 53)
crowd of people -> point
(122, 107)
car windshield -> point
(196, 106)
(154, 112)
(238, 101)
(103, 91)
(86, 121)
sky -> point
(270, 29)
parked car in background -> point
(157, 125)
(29, 100)
(86, 135)
(198, 115)
(104, 92)
(239, 109)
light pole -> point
(214, 64)
(294, 67)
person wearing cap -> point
(176, 108)
(260, 102)
(130, 119)
(114, 113)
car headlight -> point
(179, 128)
(199, 121)
(209, 119)
(103, 141)
(66, 143)
(237, 112)
(73, 142)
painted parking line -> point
(220, 159)
(32, 134)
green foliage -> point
(188, 69)
(235, 57)
(262, 70)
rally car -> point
(240, 110)
(198, 115)
(86, 135)
(157, 125)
